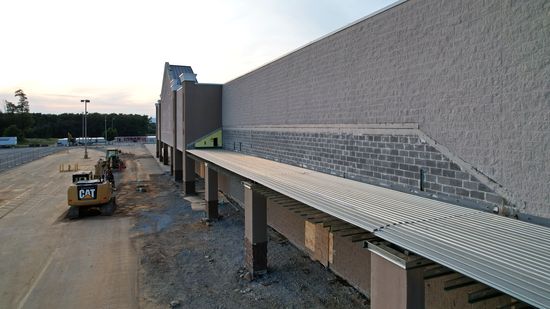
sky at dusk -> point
(113, 52)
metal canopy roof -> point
(509, 255)
(366, 206)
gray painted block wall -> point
(473, 74)
(401, 162)
(180, 123)
(167, 111)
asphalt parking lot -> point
(12, 157)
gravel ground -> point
(186, 262)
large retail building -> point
(424, 128)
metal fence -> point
(10, 158)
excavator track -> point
(109, 208)
(74, 212)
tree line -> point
(37, 125)
(18, 121)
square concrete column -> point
(211, 191)
(255, 230)
(397, 279)
(188, 175)
(172, 153)
(178, 165)
(157, 134)
(164, 154)
(157, 149)
(161, 152)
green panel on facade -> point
(212, 140)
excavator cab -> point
(82, 175)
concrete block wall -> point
(401, 162)
(473, 74)
(167, 125)
(180, 119)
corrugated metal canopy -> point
(509, 255)
(366, 206)
(506, 254)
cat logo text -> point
(87, 192)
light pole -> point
(85, 127)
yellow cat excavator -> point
(86, 192)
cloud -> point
(56, 95)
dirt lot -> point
(194, 264)
(47, 261)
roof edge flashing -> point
(403, 260)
